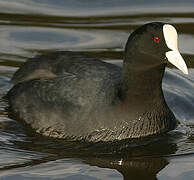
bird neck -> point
(142, 82)
(143, 104)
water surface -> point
(101, 29)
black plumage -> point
(72, 95)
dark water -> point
(100, 28)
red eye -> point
(156, 39)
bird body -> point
(71, 95)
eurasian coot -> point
(72, 95)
